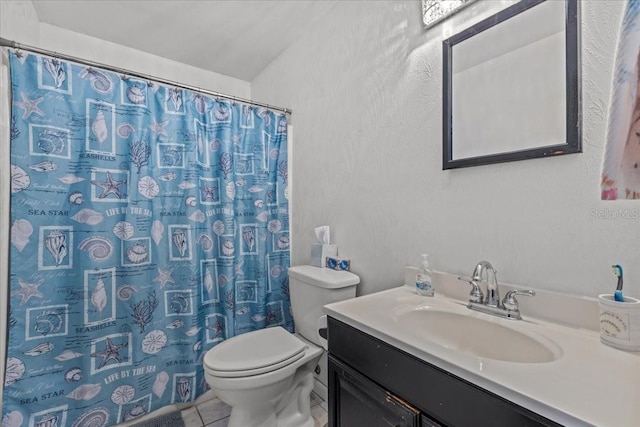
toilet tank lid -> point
(323, 277)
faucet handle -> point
(511, 303)
(476, 294)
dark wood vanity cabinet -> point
(372, 383)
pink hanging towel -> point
(621, 165)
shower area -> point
(146, 221)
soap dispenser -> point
(423, 278)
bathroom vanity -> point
(372, 383)
(400, 359)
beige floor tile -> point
(191, 417)
(213, 410)
(220, 423)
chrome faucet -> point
(507, 308)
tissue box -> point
(320, 252)
(340, 264)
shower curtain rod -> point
(16, 45)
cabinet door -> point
(355, 401)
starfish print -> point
(209, 192)
(164, 277)
(158, 128)
(29, 106)
(110, 352)
(110, 186)
(28, 290)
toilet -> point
(266, 376)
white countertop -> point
(589, 384)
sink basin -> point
(488, 339)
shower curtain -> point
(148, 224)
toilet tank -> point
(310, 288)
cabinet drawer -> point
(444, 397)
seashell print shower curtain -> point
(621, 166)
(148, 224)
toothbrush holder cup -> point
(620, 322)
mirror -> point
(512, 86)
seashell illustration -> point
(228, 247)
(262, 216)
(123, 394)
(180, 303)
(172, 157)
(215, 145)
(148, 187)
(157, 230)
(94, 418)
(198, 216)
(137, 254)
(258, 203)
(52, 142)
(56, 244)
(46, 166)
(175, 95)
(125, 130)
(223, 280)
(123, 230)
(185, 185)
(180, 241)
(230, 190)
(14, 370)
(48, 322)
(125, 292)
(88, 216)
(286, 192)
(154, 341)
(248, 235)
(42, 348)
(99, 127)
(73, 375)
(265, 115)
(208, 281)
(200, 103)
(273, 154)
(255, 189)
(136, 95)
(190, 201)
(99, 296)
(240, 182)
(100, 82)
(193, 331)
(258, 318)
(12, 419)
(55, 67)
(70, 179)
(183, 389)
(99, 248)
(169, 176)
(218, 227)
(160, 384)
(19, 179)
(205, 241)
(282, 242)
(21, 231)
(197, 346)
(274, 226)
(221, 112)
(178, 323)
(243, 310)
(68, 355)
(135, 412)
(276, 271)
(47, 420)
(76, 198)
(85, 392)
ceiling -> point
(238, 38)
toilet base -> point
(291, 410)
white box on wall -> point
(320, 252)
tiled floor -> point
(215, 413)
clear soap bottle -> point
(424, 286)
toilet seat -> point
(254, 353)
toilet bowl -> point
(266, 376)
